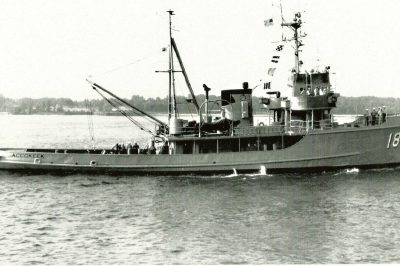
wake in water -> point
(351, 171)
(348, 171)
(387, 169)
(262, 172)
(234, 173)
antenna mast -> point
(173, 49)
(295, 26)
(171, 93)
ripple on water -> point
(333, 217)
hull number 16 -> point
(394, 140)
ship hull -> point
(322, 150)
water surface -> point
(335, 217)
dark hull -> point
(322, 150)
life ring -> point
(261, 124)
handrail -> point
(393, 115)
(295, 126)
(258, 130)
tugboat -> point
(301, 136)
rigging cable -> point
(89, 112)
(186, 103)
(124, 113)
(131, 112)
(133, 62)
(188, 108)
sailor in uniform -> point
(383, 114)
(374, 115)
(152, 148)
(367, 116)
(135, 148)
(129, 148)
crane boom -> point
(157, 121)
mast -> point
(173, 49)
(172, 93)
(295, 26)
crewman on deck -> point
(115, 149)
(367, 117)
(129, 148)
(383, 114)
(374, 115)
(379, 115)
(123, 149)
(135, 148)
(165, 148)
(310, 91)
(152, 148)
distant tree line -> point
(346, 105)
(357, 105)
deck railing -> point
(293, 127)
(258, 130)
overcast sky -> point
(48, 48)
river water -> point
(348, 216)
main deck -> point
(339, 147)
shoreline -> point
(154, 114)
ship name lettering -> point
(27, 155)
